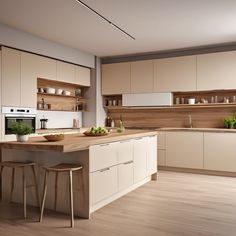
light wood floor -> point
(178, 204)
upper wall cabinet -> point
(65, 72)
(216, 71)
(175, 74)
(142, 76)
(47, 68)
(29, 69)
(11, 94)
(116, 78)
(82, 76)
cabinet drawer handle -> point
(128, 162)
(152, 136)
(104, 144)
(105, 169)
(138, 138)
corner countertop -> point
(74, 142)
(214, 130)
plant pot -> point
(22, 138)
(231, 126)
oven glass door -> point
(10, 120)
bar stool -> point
(23, 166)
(70, 168)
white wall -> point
(58, 119)
(18, 39)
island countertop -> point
(74, 142)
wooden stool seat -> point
(23, 166)
(63, 167)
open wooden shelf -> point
(61, 95)
(60, 110)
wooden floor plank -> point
(178, 204)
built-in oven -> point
(18, 114)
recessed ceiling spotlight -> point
(104, 18)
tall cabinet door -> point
(47, 68)
(175, 74)
(65, 72)
(28, 80)
(216, 71)
(151, 155)
(116, 78)
(140, 159)
(142, 76)
(11, 62)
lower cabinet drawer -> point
(103, 183)
(125, 175)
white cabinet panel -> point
(161, 157)
(125, 151)
(151, 155)
(11, 95)
(140, 159)
(103, 183)
(65, 72)
(184, 149)
(29, 68)
(220, 152)
(116, 78)
(125, 175)
(82, 76)
(47, 68)
(175, 74)
(142, 76)
(216, 71)
(102, 156)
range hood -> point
(147, 99)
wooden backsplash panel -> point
(202, 117)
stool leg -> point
(12, 183)
(71, 201)
(24, 192)
(44, 196)
(56, 186)
(36, 185)
(1, 171)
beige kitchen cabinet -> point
(103, 183)
(125, 175)
(1, 129)
(102, 156)
(82, 76)
(175, 74)
(116, 78)
(47, 68)
(141, 77)
(125, 151)
(151, 155)
(11, 81)
(161, 144)
(65, 72)
(140, 159)
(184, 149)
(28, 76)
(219, 152)
(216, 71)
(161, 157)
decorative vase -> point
(22, 138)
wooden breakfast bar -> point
(113, 165)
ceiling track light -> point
(104, 18)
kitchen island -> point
(113, 165)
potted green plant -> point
(229, 122)
(22, 131)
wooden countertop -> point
(213, 130)
(74, 142)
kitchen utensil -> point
(50, 90)
(43, 122)
(54, 137)
(67, 93)
(114, 102)
(191, 101)
(78, 92)
(59, 91)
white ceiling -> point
(156, 24)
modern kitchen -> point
(117, 123)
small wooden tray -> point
(53, 137)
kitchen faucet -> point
(190, 125)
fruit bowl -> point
(54, 137)
(99, 131)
